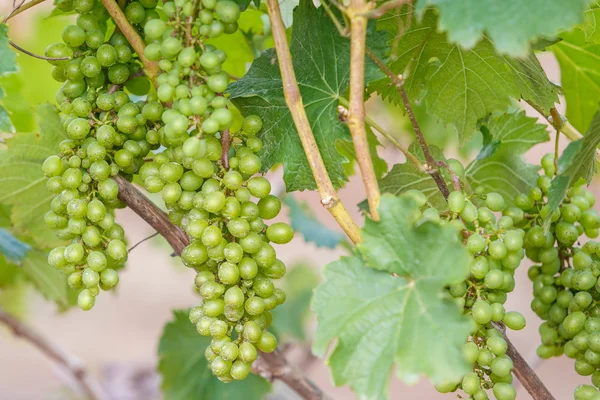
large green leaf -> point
(185, 373)
(580, 77)
(49, 281)
(459, 86)
(511, 24)
(500, 167)
(591, 23)
(385, 304)
(407, 176)
(22, 183)
(321, 61)
(578, 161)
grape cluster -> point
(565, 278)
(207, 180)
(107, 133)
(204, 170)
(488, 230)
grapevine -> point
(192, 102)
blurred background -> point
(117, 342)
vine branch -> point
(273, 365)
(329, 197)
(527, 376)
(22, 7)
(563, 125)
(153, 215)
(49, 349)
(432, 166)
(150, 67)
(343, 112)
(356, 117)
(387, 6)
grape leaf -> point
(6, 124)
(385, 305)
(321, 60)
(500, 166)
(578, 161)
(590, 23)
(406, 176)
(459, 86)
(185, 372)
(510, 24)
(305, 223)
(49, 281)
(580, 80)
(22, 183)
(8, 64)
(8, 58)
(9, 273)
(289, 318)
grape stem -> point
(225, 144)
(142, 241)
(150, 67)
(564, 126)
(20, 8)
(273, 365)
(385, 7)
(343, 111)
(527, 376)
(432, 166)
(356, 109)
(293, 98)
(88, 386)
(157, 218)
(29, 53)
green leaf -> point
(6, 124)
(406, 176)
(185, 373)
(510, 24)
(591, 22)
(304, 222)
(22, 183)
(322, 77)
(8, 58)
(460, 86)
(501, 167)
(385, 304)
(9, 273)
(578, 161)
(49, 281)
(580, 80)
(289, 318)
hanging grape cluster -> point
(204, 171)
(488, 229)
(565, 278)
(206, 177)
(107, 132)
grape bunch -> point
(488, 229)
(107, 133)
(565, 278)
(206, 177)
